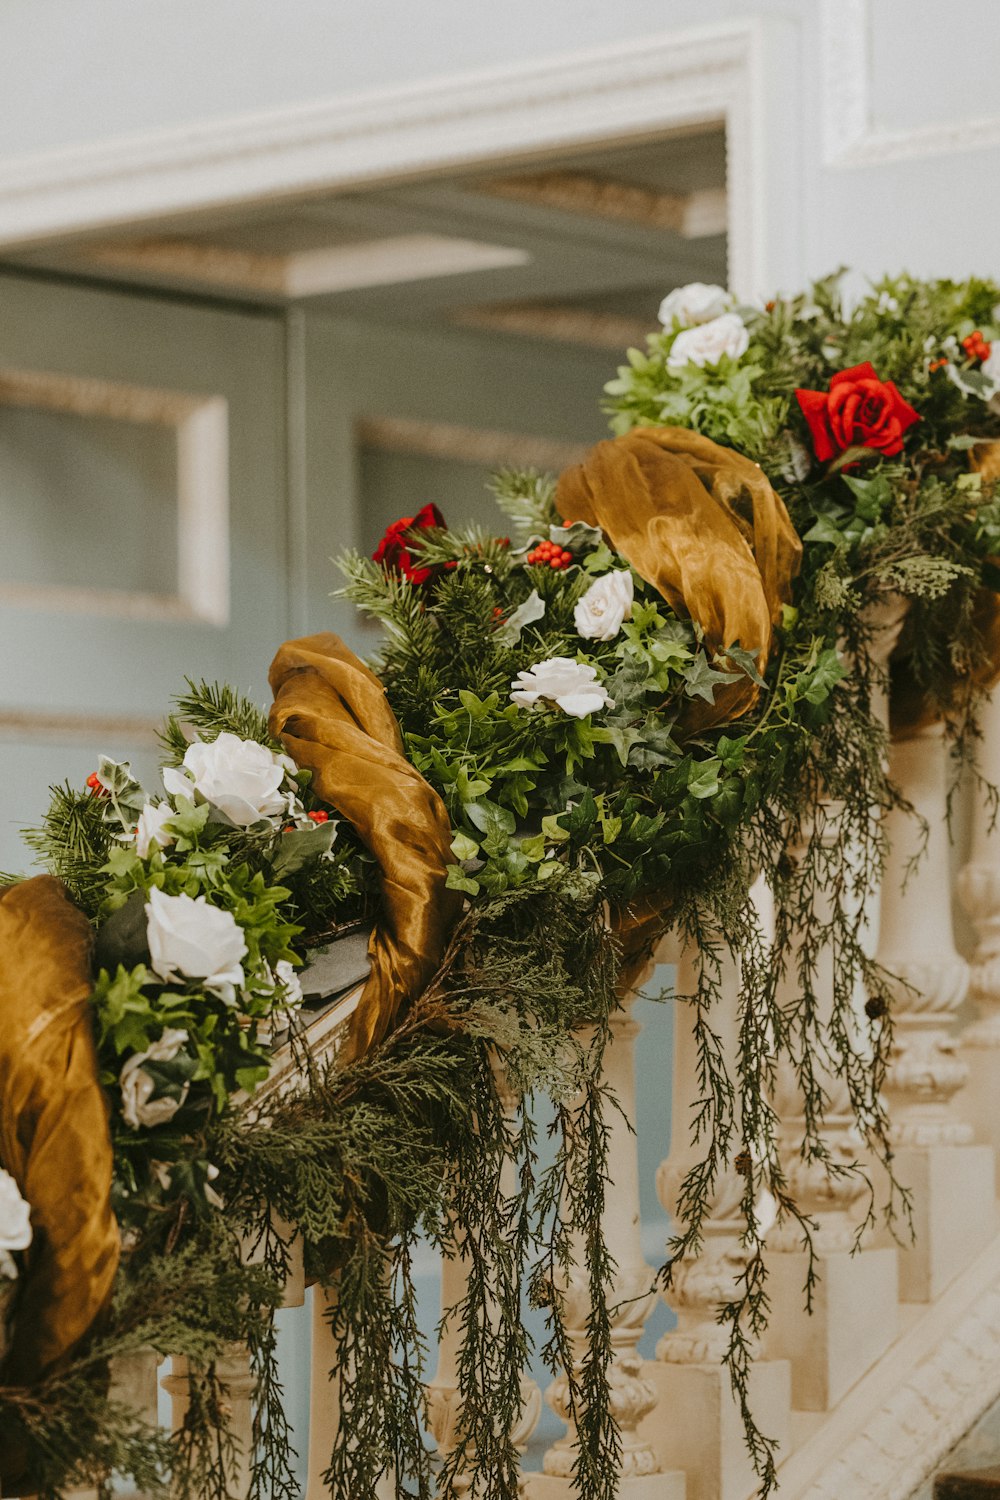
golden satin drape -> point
(331, 713)
(704, 527)
(54, 1137)
(910, 709)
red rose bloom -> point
(393, 551)
(858, 411)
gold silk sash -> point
(704, 527)
(54, 1137)
(331, 714)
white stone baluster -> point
(854, 1303)
(979, 889)
(236, 1380)
(327, 1371)
(633, 1396)
(952, 1180)
(234, 1373)
(443, 1390)
(697, 1426)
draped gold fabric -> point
(331, 714)
(910, 708)
(54, 1138)
(704, 527)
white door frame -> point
(640, 88)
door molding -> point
(639, 88)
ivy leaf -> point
(747, 661)
(700, 679)
(581, 818)
(704, 778)
(463, 847)
(298, 847)
(621, 738)
(457, 880)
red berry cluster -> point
(319, 816)
(550, 555)
(976, 347)
(93, 781)
(937, 364)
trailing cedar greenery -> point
(543, 687)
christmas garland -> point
(614, 761)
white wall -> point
(896, 169)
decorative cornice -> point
(650, 84)
(470, 445)
(557, 324)
(849, 137)
(692, 215)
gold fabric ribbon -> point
(54, 1137)
(331, 714)
(911, 710)
(704, 527)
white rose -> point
(239, 777)
(188, 938)
(150, 828)
(571, 685)
(286, 973)
(695, 303)
(15, 1224)
(706, 344)
(138, 1087)
(606, 604)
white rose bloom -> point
(138, 1087)
(150, 828)
(15, 1225)
(599, 614)
(288, 975)
(697, 302)
(190, 939)
(706, 344)
(240, 777)
(571, 685)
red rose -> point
(393, 551)
(858, 411)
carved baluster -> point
(854, 1316)
(633, 1395)
(699, 1428)
(952, 1180)
(979, 889)
(443, 1391)
(234, 1373)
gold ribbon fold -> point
(331, 714)
(54, 1136)
(704, 527)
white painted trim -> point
(849, 136)
(201, 428)
(642, 87)
(308, 273)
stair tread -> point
(968, 1484)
